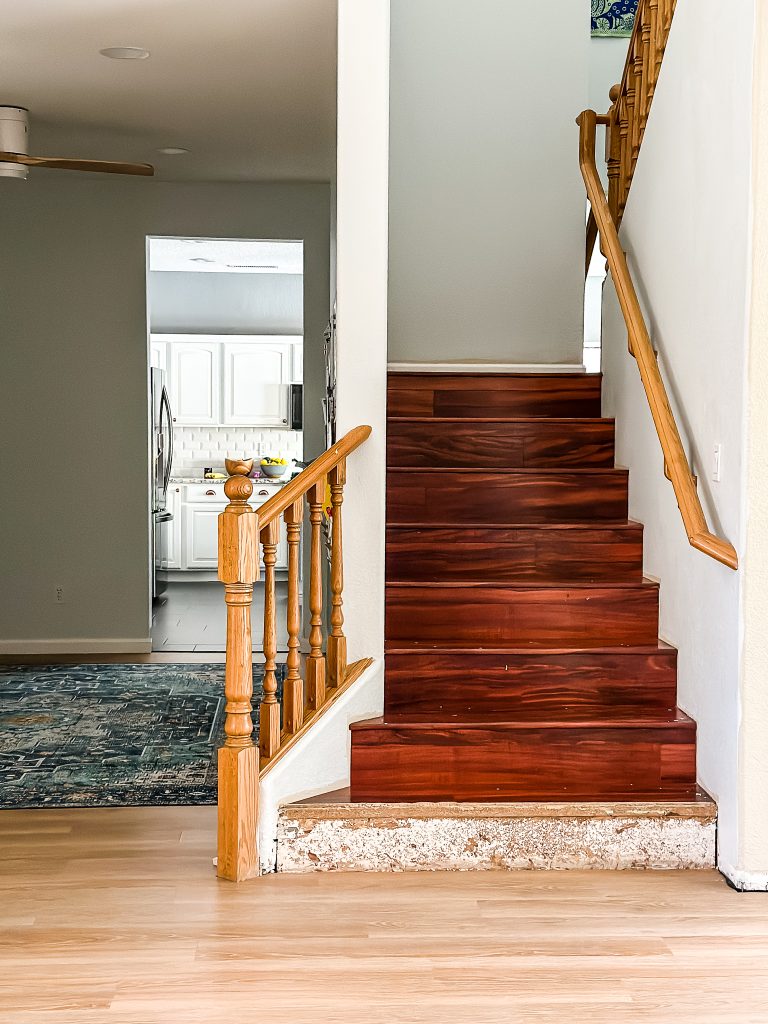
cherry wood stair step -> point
(470, 496)
(566, 552)
(493, 394)
(640, 759)
(571, 684)
(596, 615)
(528, 443)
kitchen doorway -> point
(225, 370)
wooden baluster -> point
(626, 154)
(293, 688)
(634, 120)
(316, 660)
(337, 642)
(653, 48)
(638, 59)
(269, 712)
(645, 57)
(613, 154)
(238, 763)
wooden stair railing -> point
(676, 465)
(630, 106)
(241, 530)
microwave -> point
(296, 406)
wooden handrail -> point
(675, 462)
(315, 471)
(241, 532)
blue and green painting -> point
(613, 18)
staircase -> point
(522, 656)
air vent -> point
(252, 266)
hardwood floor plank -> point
(417, 949)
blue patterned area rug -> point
(112, 735)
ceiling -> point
(225, 256)
(247, 86)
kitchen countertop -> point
(203, 480)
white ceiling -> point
(247, 86)
(225, 256)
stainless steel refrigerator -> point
(162, 461)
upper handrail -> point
(676, 464)
(308, 477)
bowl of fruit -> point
(274, 468)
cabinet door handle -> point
(210, 494)
(263, 493)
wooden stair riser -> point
(612, 554)
(588, 616)
(524, 762)
(506, 444)
(565, 685)
(518, 496)
(496, 394)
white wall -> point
(205, 303)
(361, 282)
(751, 869)
(688, 236)
(73, 367)
(486, 201)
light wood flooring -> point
(114, 915)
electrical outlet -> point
(59, 595)
(717, 462)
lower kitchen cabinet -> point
(173, 505)
(200, 537)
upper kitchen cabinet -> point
(194, 370)
(224, 380)
(256, 378)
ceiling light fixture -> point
(125, 53)
(172, 151)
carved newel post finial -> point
(238, 758)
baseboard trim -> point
(79, 645)
(482, 367)
(745, 881)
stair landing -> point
(332, 833)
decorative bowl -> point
(274, 472)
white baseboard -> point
(481, 367)
(79, 645)
(745, 881)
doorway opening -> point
(225, 357)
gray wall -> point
(486, 200)
(73, 366)
(200, 303)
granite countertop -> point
(203, 480)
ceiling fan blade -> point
(101, 166)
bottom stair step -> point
(640, 759)
(330, 833)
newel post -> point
(238, 760)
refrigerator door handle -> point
(166, 407)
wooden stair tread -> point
(543, 585)
(533, 421)
(458, 646)
(339, 803)
(493, 377)
(493, 724)
(511, 471)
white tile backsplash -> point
(194, 448)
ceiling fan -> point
(15, 161)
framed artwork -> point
(613, 18)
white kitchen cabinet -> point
(194, 371)
(200, 541)
(173, 505)
(297, 362)
(158, 355)
(200, 535)
(255, 382)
